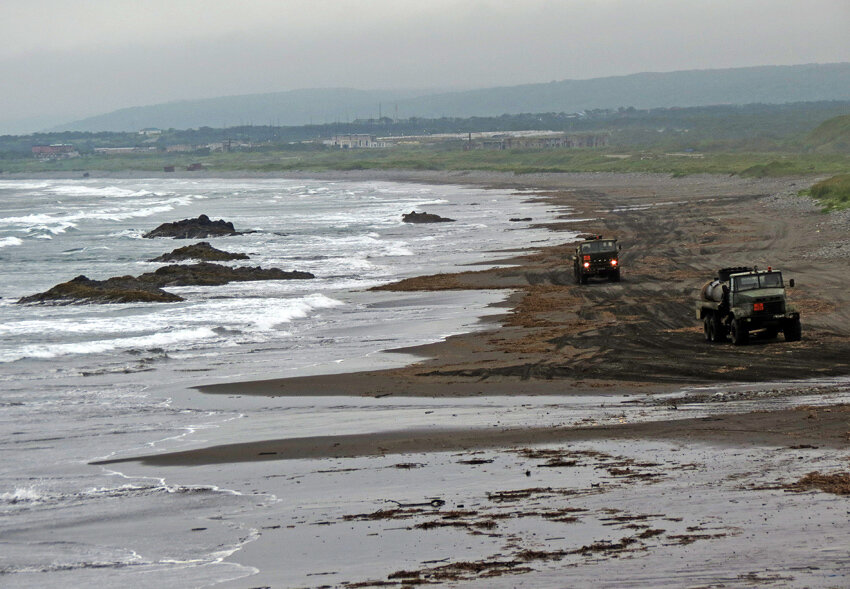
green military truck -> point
(743, 300)
(597, 257)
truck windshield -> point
(753, 281)
(596, 247)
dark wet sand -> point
(802, 426)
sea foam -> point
(9, 241)
(100, 346)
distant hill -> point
(767, 85)
(831, 136)
(296, 107)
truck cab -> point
(597, 257)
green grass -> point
(831, 135)
(452, 158)
(832, 194)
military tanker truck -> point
(741, 301)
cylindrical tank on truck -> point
(742, 300)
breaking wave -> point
(9, 241)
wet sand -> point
(636, 341)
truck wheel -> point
(614, 276)
(718, 330)
(584, 279)
(793, 330)
(739, 333)
(708, 328)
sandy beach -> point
(683, 463)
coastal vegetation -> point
(755, 164)
(833, 194)
(756, 140)
(832, 135)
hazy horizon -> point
(65, 61)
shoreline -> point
(788, 427)
(410, 479)
(541, 284)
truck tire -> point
(740, 334)
(793, 330)
(719, 330)
(584, 279)
(708, 328)
(614, 276)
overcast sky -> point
(62, 60)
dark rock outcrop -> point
(194, 229)
(122, 289)
(147, 288)
(206, 274)
(414, 217)
(199, 251)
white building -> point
(354, 141)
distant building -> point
(121, 150)
(55, 151)
(150, 131)
(543, 141)
(354, 141)
(219, 146)
(180, 148)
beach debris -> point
(194, 229)
(423, 217)
(476, 461)
(837, 483)
(435, 502)
(408, 465)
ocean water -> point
(82, 382)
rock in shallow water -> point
(121, 289)
(194, 229)
(414, 217)
(199, 251)
(206, 274)
(147, 288)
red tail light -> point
(586, 258)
